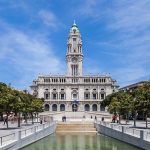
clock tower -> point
(74, 54)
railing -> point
(27, 132)
(7, 139)
(132, 131)
(144, 134)
(147, 135)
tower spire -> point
(74, 22)
(74, 52)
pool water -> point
(79, 142)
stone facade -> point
(73, 92)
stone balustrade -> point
(25, 137)
(128, 134)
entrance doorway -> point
(62, 107)
(74, 107)
(87, 107)
(54, 107)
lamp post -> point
(135, 115)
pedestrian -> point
(91, 116)
(5, 120)
(95, 118)
(41, 121)
(102, 118)
(113, 119)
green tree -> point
(18, 102)
(118, 102)
(143, 95)
(6, 100)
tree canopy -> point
(12, 100)
(132, 100)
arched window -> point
(62, 107)
(54, 107)
(46, 107)
(94, 107)
(87, 107)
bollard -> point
(141, 134)
(43, 126)
(34, 129)
(141, 138)
(19, 135)
(1, 141)
(123, 129)
(111, 126)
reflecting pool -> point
(79, 142)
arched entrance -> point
(62, 107)
(87, 107)
(74, 107)
(94, 107)
(46, 107)
(54, 107)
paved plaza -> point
(13, 127)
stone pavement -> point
(139, 123)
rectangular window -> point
(62, 96)
(46, 96)
(54, 96)
(94, 96)
(86, 96)
(102, 96)
(74, 96)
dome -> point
(74, 28)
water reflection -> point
(79, 142)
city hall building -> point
(73, 91)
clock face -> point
(74, 59)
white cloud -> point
(28, 54)
(130, 22)
(131, 16)
(88, 7)
(50, 19)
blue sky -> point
(33, 36)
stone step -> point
(78, 132)
(74, 123)
(72, 126)
(75, 129)
(78, 124)
(78, 127)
